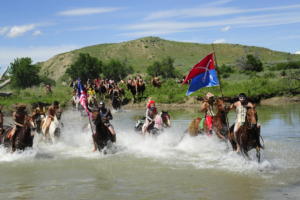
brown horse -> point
(22, 137)
(248, 135)
(219, 123)
(102, 135)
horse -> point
(22, 138)
(116, 100)
(133, 90)
(54, 129)
(102, 135)
(160, 122)
(156, 82)
(248, 135)
(140, 90)
(219, 122)
(75, 102)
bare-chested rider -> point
(240, 107)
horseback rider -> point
(207, 107)
(1, 120)
(151, 112)
(240, 107)
(51, 114)
(106, 115)
(19, 118)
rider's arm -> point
(232, 106)
(148, 115)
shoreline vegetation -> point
(256, 76)
(172, 94)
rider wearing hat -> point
(106, 115)
(240, 107)
(207, 107)
(150, 115)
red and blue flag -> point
(203, 74)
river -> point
(168, 166)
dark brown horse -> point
(248, 135)
(22, 137)
(102, 135)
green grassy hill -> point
(142, 52)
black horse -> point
(102, 135)
(21, 139)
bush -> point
(288, 65)
(165, 68)
(23, 73)
(116, 70)
(250, 63)
(85, 67)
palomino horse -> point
(248, 135)
(102, 135)
(219, 123)
(53, 132)
(22, 138)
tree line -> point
(24, 74)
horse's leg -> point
(258, 154)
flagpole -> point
(217, 67)
(221, 89)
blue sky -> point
(41, 29)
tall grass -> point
(35, 94)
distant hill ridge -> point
(140, 53)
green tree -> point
(165, 68)
(116, 70)
(23, 73)
(250, 63)
(85, 67)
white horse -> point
(54, 130)
(75, 102)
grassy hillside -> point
(142, 52)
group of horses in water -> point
(247, 137)
(24, 135)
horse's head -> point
(166, 118)
(220, 104)
(251, 116)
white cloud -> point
(225, 29)
(246, 21)
(37, 54)
(86, 11)
(219, 41)
(210, 10)
(16, 31)
(37, 33)
(3, 30)
(297, 52)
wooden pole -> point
(221, 89)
